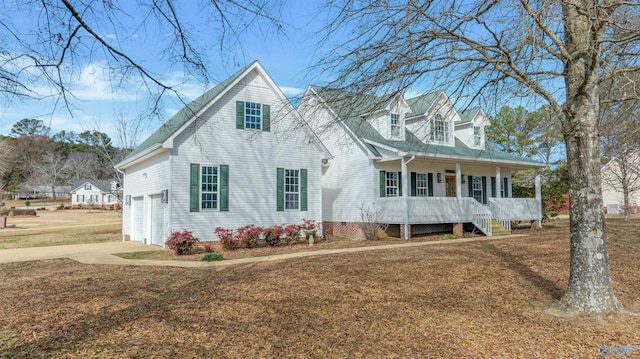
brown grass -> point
(473, 300)
(61, 227)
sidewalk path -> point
(102, 253)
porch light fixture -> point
(127, 200)
(439, 177)
(463, 180)
(165, 196)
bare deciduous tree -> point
(558, 52)
(53, 47)
(50, 170)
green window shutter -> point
(224, 188)
(194, 188)
(430, 184)
(470, 183)
(383, 183)
(484, 189)
(266, 118)
(240, 115)
(303, 189)
(504, 185)
(493, 187)
(280, 189)
(400, 184)
(413, 184)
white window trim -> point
(396, 126)
(446, 129)
(390, 189)
(477, 137)
(216, 192)
(295, 175)
(422, 191)
(259, 116)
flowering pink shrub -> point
(292, 232)
(181, 242)
(248, 235)
(272, 234)
(226, 238)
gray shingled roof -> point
(469, 114)
(365, 131)
(183, 116)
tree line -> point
(30, 155)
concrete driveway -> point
(72, 251)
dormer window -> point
(395, 124)
(439, 129)
(477, 136)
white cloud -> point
(95, 83)
(292, 91)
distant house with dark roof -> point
(417, 164)
(240, 154)
(96, 194)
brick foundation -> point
(402, 231)
(349, 230)
(458, 230)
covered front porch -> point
(481, 196)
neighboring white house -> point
(615, 177)
(239, 154)
(418, 164)
(99, 194)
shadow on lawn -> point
(513, 262)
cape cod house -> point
(416, 164)
(239, 154)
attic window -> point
(439, 129)
(87, 187)
(395, 124)
(476, 136)
(253, 117)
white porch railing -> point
(432, 210)
(520, 209)
(500, 215)
(481, 217)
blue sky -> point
(286, 57)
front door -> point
(450, 186)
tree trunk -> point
(53, 192)
(625, 193)
(590, 290)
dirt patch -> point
(469, 300)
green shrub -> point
(449, 236)
(27, 203)
(212, 257)
(181, 242)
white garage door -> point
(138, 219)
(157, 220)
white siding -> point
(144, 180)
(421, 127)
(348, 180)
(252, 156)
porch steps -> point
(497, 229)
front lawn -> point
(472, 300)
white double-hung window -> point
(439, 129)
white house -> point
(617, 175)
(100, 194)
(417, 163)
(239, 154)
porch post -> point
(458, 181)
(538, 195)
(498, 183)
(405, 198)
